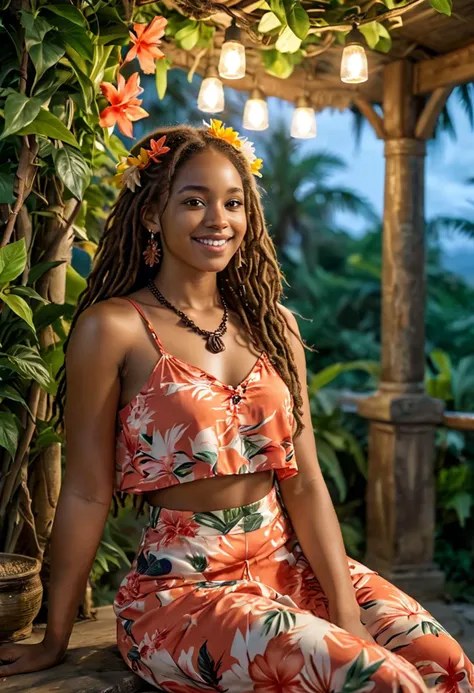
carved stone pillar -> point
(401, 484)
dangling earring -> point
(240, 260)
(152, 252)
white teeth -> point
(210, 242)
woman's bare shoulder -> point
(108, 326)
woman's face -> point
(206, 202)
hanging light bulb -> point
(256, 111)
(232, 58)
(354, 59)
(211, 93)
(303, 125)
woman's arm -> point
(93, 357)
(312, 513)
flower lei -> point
(129, 169)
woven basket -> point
(20, 595)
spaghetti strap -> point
(156, 339)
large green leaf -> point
(69, 12)
(9, 392)
(19, 306)
(36, 28)
(28, 363)
(46, 315)
(269, 22)
(75, 285)
(443, 6)
(325, 376)
(19, 112)
(75, 36)
(288, 42)
(73, 170)
(9, 432)
(161, 77)
(461, 503)
(45, 53)
(13, 261)
(38, 270)
(370, 32)
(298, 20)
(49, 125)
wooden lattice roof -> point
(441, 47)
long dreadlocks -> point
(119, 267)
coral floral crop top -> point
(185, 425)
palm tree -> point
(300, 197)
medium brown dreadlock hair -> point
(119, 267)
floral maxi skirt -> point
(226, 601)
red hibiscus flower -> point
(146, 40)
(124, 106)
(128, 592)
(277, 670)
(172, 526)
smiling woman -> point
(240, 581)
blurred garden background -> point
(323, 204)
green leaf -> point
(44, 54)
(28, 363)
(189, 41)
(326, 375)
(73, 170)
(9, 392)
(461, 503)
(7, 182)
(75, 285)
(298, 20)
(75, 36)
(49, 125)
(268, 23)
(287, 42)
(19, 112)
(370, 33)
(277, 64)
(161, 77)
(330, 465)
(384, 44)
(36, 28)
(443, 6)
(28, 292)
(9, 432)
(278, 8)
(19, 306)
(189, 26)
(69, 12)
(13, 261)
(38, 270)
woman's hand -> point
(21, 659)
(349, 620)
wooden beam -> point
(459, 420)
(371, 115)
(445, 71)
(427, 120)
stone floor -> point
(93, 665)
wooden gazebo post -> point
(401, 484)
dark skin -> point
(111, 356)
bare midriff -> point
(216, 493)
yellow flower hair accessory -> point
(216, 128)
(130, 167)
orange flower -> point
(157, 149)
(277, 670)
(218, 129)
(146, 40)
(124, 106)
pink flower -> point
(277, 670)
(124, 106)
(172, 525)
